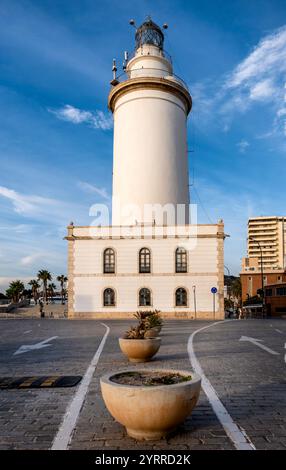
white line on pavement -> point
(279, 331)
(64, 434)
(257, 342)
(237, 435)
(32, 347)
(28, 331)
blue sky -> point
(56, 131)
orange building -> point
(275, 300)
(251, 281)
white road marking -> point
(64, 434)
(279, 331)
(237, 435)
(28, 331)
(257, 342)
(32, 347)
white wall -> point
(150, 152)
(89, 280)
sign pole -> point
(214, 291)
(214, 304)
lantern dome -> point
(149, 33)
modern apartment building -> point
(266, 237)
(269, 234)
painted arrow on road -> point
(257, 342)
(31, 347)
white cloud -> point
(260, 77)
(262, 90)
(267, 59)
(243, 145)
(91, 188)
(96, 119)
(26, 205)
(41, 208)
(30, 259)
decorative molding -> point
(71, 269)
(142, 275)
(114, 315)
(220, 273)
(149, 83)
(152, 237)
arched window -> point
(144, 260)
(144, 297)
(108, 261)
(181, 260)
(181, 297)
(108, 297)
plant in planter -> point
(136, 346)
(153, 323)
(150, 403)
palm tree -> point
(44, 276)
(15, 290)
(35, 286)
(62, 279)
(51, 290)
(235, 290)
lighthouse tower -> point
(144, 260)
(150, 109)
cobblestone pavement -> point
(250, 382)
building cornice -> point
(144, 237)
(149, 83)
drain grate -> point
(44, 381)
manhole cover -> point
(45, 381)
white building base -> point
(205, 269)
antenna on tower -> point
(165, 26)
(114, 80)
(132, 23)
(114, 69)
(125, 61)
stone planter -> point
(153, 332)
(150, 412)
(139, 350)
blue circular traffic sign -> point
(213, 290)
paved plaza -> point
(244, 361)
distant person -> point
(41, 305)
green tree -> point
(35, 286)
(44, 276)
(62, 279)
(51, 290)
(235, 290)
(15, 290)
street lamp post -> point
(195, 301)
(262, 277)
(228, 291)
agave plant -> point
(150, 318)
(135, 332)
(154, 319)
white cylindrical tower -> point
(150, 109)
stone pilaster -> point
(220, 267)
(71, 242)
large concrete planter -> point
(150, 412)
(139, 350)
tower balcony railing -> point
(150, 72)
(163, 53)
